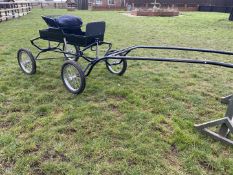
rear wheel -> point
(70, 49)
(26, 61)
(73, 77)
(116, 66)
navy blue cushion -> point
(68, 21)
(70, 24)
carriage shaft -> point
(129, 49)
(179, 60)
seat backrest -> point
(95, 28)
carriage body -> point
(66, 31)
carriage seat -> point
(57, 31)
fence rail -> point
(10, 10)
(59, 5)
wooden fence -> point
(10, 10)
(58, 5)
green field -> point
(139, 123)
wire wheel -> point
(70, 49)
(116, 66)
(73, 77)
(26, 61)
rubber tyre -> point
(76, 52)
(81, 75)
(32, 60)
(124, 66)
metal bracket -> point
(226, 123)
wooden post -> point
(83, 4)
(15, 11)
(6, 14)
(18, 10)
(231, 15)
(0, 16)
(22, 9)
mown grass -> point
(140, 123)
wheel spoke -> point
(115, 65)
(70, 49)
(72, 77)
(25, 62)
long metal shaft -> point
(180, 60)
(129, 49)
(184, 49)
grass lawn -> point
(139, 123)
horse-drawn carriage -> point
(73, 43)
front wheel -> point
(116, 66)
(26, 61)
(73, 77)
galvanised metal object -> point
(226, 125)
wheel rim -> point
(25, 62)
(71, 49)
(71, 77)
(115, 65)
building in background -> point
(72, 4)
(182, 4)
(107, 4)
(80, 4)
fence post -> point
(27, 7)
(18, 10)
(15, 11)
(6, 14)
